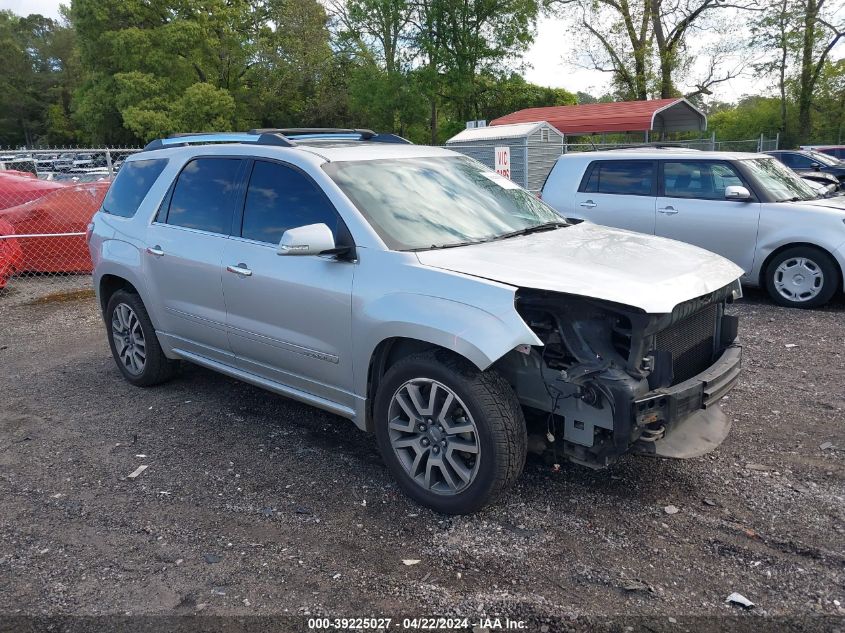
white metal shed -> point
(534, 148)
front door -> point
(289, 317)
(184, 254)
(692, 208)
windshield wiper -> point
(546, 226)
(437, 247)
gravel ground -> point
(253, 504)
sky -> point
(548, 61)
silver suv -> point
(419, 294)
(787, 237)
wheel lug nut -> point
(422, 427)
(443, 443)
(425, 442)
(436, 450)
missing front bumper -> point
(691, 422)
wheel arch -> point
(109, 284)
(764, 268)
(387, 353)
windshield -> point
(780, 181)
(824, 159)
(436, 202)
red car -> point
(18, 187)
(11, 255)
(66, 210)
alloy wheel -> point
(128, 339)
(434, 436)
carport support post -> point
(646, 137)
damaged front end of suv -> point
(612, 379)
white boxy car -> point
(419, 294)
(787, 237)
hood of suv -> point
(836, 202)
(643, 271)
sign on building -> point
(503, 161)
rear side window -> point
(132, 185)
(203, 196)
(621, 177)
(281, 198)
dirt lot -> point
(254, 504)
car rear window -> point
(621, 177)
(131, 186)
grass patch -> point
(64, 296)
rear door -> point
(692, 208)
(619, 193)
(184, 255)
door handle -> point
(588, 204)
(240, 269)
(155, 250)
(668, 210)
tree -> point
(501, 96)
(644, 44)
(772, 33)
(37, 78)
(820, 36)
(622, 29)
(750, 118)
(797, 38)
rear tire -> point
(802, 277)
(460, 448)
(133, 342)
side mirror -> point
(311, 239)
(815, 166)
(734, 192)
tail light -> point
(88, 231)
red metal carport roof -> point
(669, 115)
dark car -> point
(804, 161)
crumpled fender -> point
(476, 334)
(475, 318)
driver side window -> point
(279, 198)
(797, 161)
(700, 180)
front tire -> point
(452, 436)
(802, 277)
(133, 341)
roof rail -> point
(280, 137)
(181, 140)
(327, 133)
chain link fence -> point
(48, 196)
(530, 160)
(47, 199)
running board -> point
(269, 385)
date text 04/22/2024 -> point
(421, 624)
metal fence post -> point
(109, 164)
